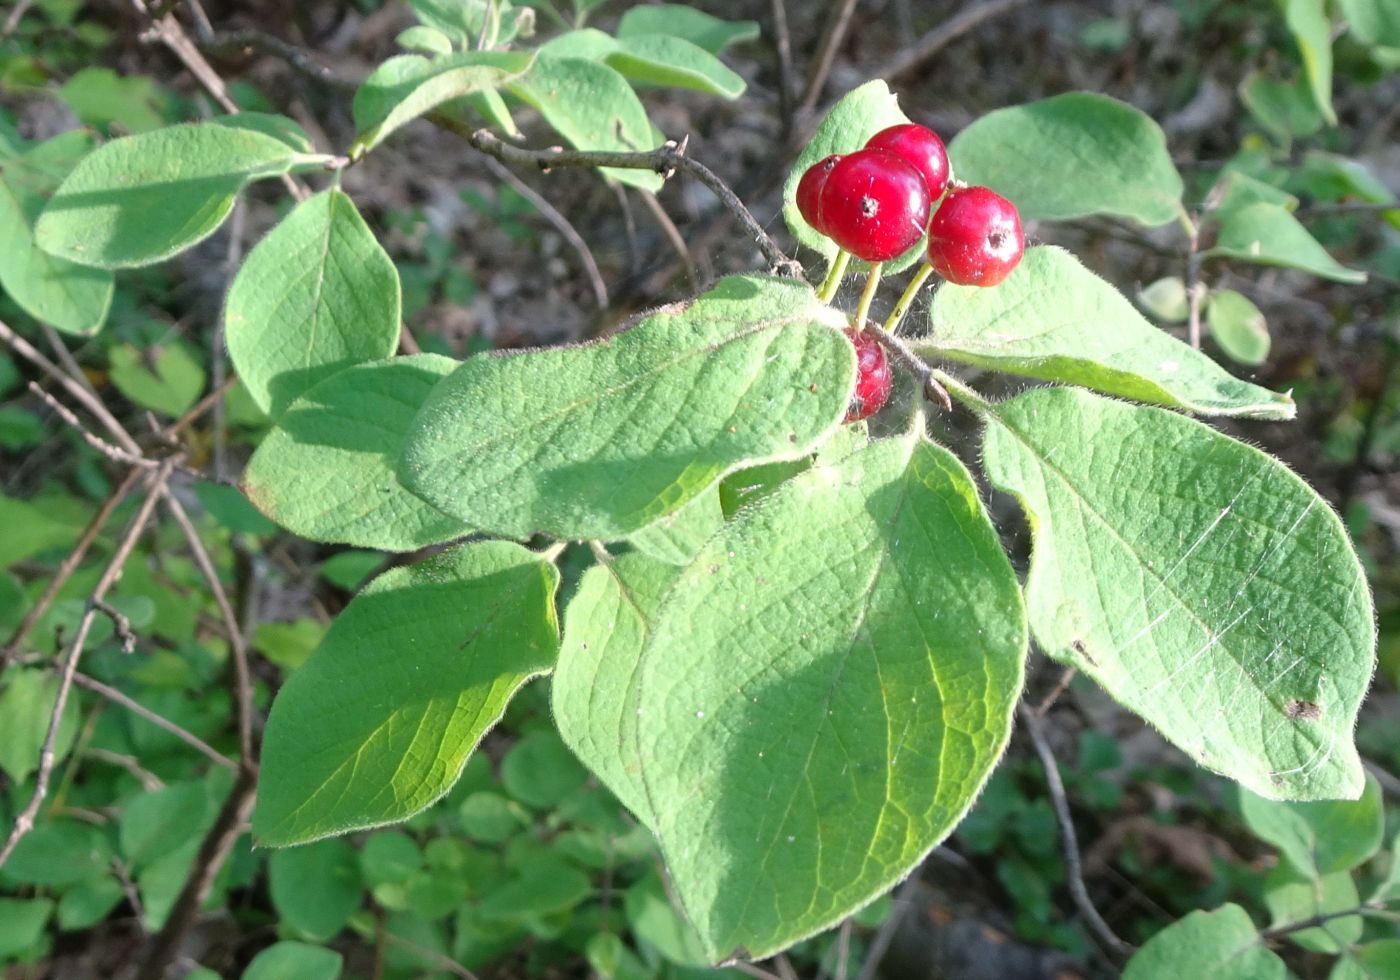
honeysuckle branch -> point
(1068, 839)
(924, 373)
(664, 160)
(241, 41)
(137, 708)
(1322, 918)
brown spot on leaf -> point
(1306, 710)
(1077, 645)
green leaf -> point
(289, 645)
(170, 382)
(1072, 155)
(317, 295)
(326, 472)
(294, 961)
(655, 922)
(797, 694)
(1322, 837)
(540, 772)
(1166, 299)
(1266, 234)
(231, 509)
(1285, 109)
(1308, 22)
(677, 538)
(22, 924)
(546, 887)
(680, 20)
(1376, 22)
(1200, 581)
(143, 198)
(593, 108)
(859, 115)
(601, 440)
(99, 96)
(1238, 327)
(88, 903)
(657, 59)
(1054, 319)
(26, 704)
(428, 40)
(351, 569)
(390, 858)
(73, 298)
(279, 127)
(1222, 945)
(1291, 899)
(1373, 961)
(59, 853)
(316, 887)
(606, 628)
(357, 738)
(157, 822)
(407, 87)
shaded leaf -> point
(1322, 837)
(1307, 20)
(1222, 945)
(316, 887)
(1238, 327)
(26, 705)
(680, 20)
(1266, 234)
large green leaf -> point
(73, 298)
(326, 472)
(824, 692)
(601, 440)
(1072, 155)
(318, 294)
(1266, 234)
(409, 86)
(1222, 945)
(680, 20)
(1054, 319)
(380, 721)
(593, 107)
(1201, 582)
(1323, 836)
(657, 59)
(143, 198)
(1312, 29)
(606, 627)
(1376, 22)
(859, 115)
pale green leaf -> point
(428, 40)
(1072, 155)
(73, 298)
(1221, 945)
(824, 692)
(380, 721)
(680, 20)
(541, 772)
(606, 627)
(662, 59)
(1238, 327)
(677, 538)
(326, 472)
(1307, 20)
(1236, 191)
(1201, 582)
(1376, 960)
(99, 96)
(1166, 299)
(601, 440)
(315, 888)
(859, 115)
(170, 381)
(1291, 899)
(593, 108)
(294, 961)
(143, 198)
(159, 821)
(315, 296)
(22, 924)
(407, 87)
(1054, 319)
(279, 127)
(1321, 837)
(1285, 109)
(58, 853)
(1375, 22)
(1266, 234)
(26, 705)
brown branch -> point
(148, 780)
(25, 821)
(1068, 840)
(880, 945)
(137, 708)
(944, 34)
(916, 365)
(782, 47)
(1053, 695)
(664, 160)
(832, 37)
(12, 21)
(119, 623)
(1322, 918)
(204, 405)
(114, 453)
(243, 41)
(673, 236)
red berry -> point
(921, 147)
(809, 190)
(874, 204)
(873, 377)
(975, 237)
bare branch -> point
(916, 365)
(119, 623)
(241, 41)
(944, 34)
(1068, 840)
(831, 40)
(137, 708)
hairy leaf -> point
(1266, 234)
(1222, 945)
(679, 20)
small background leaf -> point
(1238, 327)
(1222, 945)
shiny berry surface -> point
(975, 237)
(874, 204)
(809, 190)
(921, 147)
(873, 376)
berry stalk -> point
(834, 275)
(868, 296)
(906, 300)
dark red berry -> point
(874, 204)
(921, 147)
(975, 237)
(809, 190)
(873, 377)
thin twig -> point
(129, 888)
(673, 236)
(137, 708)
(119, 623)
(561, 224)
(923, 372)
(1194, 292)
(753, 970)
(665, 160)
(1069, 841)
(114, 453)
(1322, 918)
(1061, 685)
(68, 566)
(843, 950)
(430, 955)
(25, 821)
(148, 780)
(945, 33)
(202, 406)
(880, 945)
(12, 21)
(831, 40)
(782, 47)
(241, 41)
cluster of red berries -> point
(878, 202)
